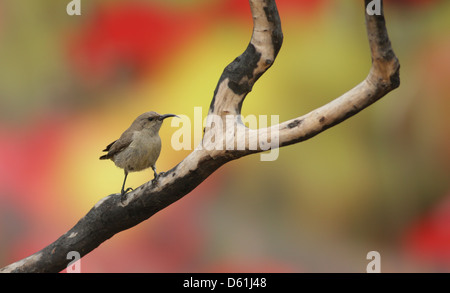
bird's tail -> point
(104, 157)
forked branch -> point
(111, 215)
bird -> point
(138, 147)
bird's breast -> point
(142, 153)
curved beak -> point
(162, 117)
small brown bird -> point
(139, 146)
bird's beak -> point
(162, 117)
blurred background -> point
(69, 85)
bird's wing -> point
(117, 146)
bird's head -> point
(151, 121)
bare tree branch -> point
(110, 215)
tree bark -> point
(224, 128)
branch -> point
(110, 215)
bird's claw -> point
(124, 192)
(155, 179)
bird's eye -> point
(151, 118)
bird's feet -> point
(124, 192)
(157, 175)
